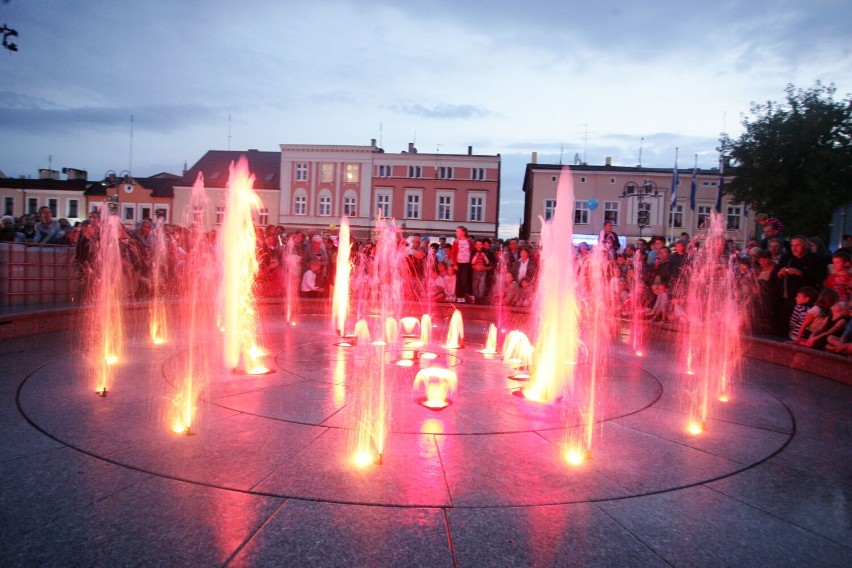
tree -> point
(794, 160)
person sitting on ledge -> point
(47, 231)
(841, 344)
(837, 321)
(309, 286)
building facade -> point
(134, 199)
(428, 194)
(636, 200)
(214, 168)
(65, 198)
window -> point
(350, 205)
(476, 208)
(445, 172)
(145, 213)
(32, 205)
(383, 204)
(676, 217)
(583, 179)
(263, 216)
(301, 171)
(477, 173)
(704, 216)
(54, 206)
(581, 212)
(549, 209)
(73, 208)
(197, 213)
(300, 204)
(709, 183)
(414, 171)
(412, 206)
(324, 206)
(128, 213)
(8, 206)
(734, 213)
(385, 171)
(612, 210)
(220, 214)
(553, 179)
(351, 173)
(161, 213)
(612, 181)
(643, 214)
(445, 207)
(326, 173)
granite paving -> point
(266, 474)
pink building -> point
(428, 194)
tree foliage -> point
(794, 160)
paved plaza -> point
(266, 477)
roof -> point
(44, 184)
(215, 166)
(158, 186)
(615, 169)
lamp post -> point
(640, 191)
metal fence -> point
(33, 274)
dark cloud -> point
(446, 111)
(34, 115)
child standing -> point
(805, 298)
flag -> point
(675, 182)
(693, 189)
(721, 188)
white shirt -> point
(309, 281)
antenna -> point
(229, 132)
(561, 151)
(641, 143)
(130, 161)
(381, 133)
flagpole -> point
(693, 196)
(673, 198)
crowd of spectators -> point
(792, 288)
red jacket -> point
(455, 250)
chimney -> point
(534, 158)
(45, 173)
(609, 160)
(373, 143)
(411, 148)
(470, 150)
(75, 174)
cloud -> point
(446, 111)
(36, 115)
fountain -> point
(340, 305)
(564, 370)
(714, 318)
(555, 312)
(455, 331)
(239, 269)
(197, 279)
(435, 387)
(105, 344)
(157, 313)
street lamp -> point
(640, 191)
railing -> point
(33, 274)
